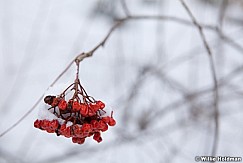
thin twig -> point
(125, 8)
(84, 55)
(212, 67)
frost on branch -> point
(74, 114)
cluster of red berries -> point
(77, 132)
(85, 114)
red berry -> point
(74, 139)
(100, 104)
(106, 119)
(50, 130)
(54, 124)
(95, 125)
(91, 112)
(84, 109)
(61, 129)
(112, 122)
(55, 102)
(97, 137)
(86, 129)
(80, 140)
(103, 126)
(94, 107)
(45, 124)
(67, 132)
(62, 105)
(76, 106)
(77, 130)
(37, 123)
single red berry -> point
(86, 129)
(77, 130)
(90, 134)
(94, 107)
(95, 125)
(103, 126)
(100, 104)
(62, 129)
(50, 130)
(84, 109)
(37, 123)
(62, 105)
(55, 101)
(67, 132)
(74, 139)
(76, 106)
(112, 122)
(80, 140)
(97, 137)
(45, 124)
(106, 119)
(91, 112)
(54, 124)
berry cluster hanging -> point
(79, 117)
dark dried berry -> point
(49, 99)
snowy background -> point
(154, 74)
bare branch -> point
(119, 22)
(212, 67)
(125, 8)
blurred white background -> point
(155, 74)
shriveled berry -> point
(100, 104)
(112, 122)
(49, 99)
(62, 105)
